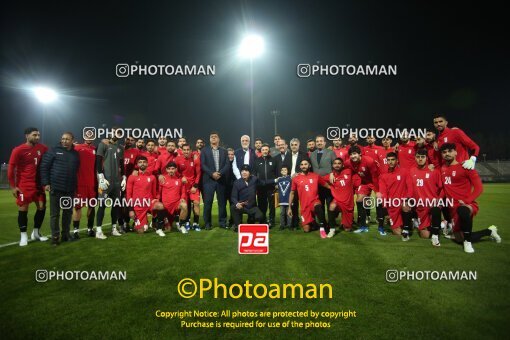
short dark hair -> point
(258, 139)
(284, 167)
(171, 165)
(440, 115)
(186, 144)
(150, 140)
(310, 140)
(338, 159)
(277, 135)
(391, 154)
(447, 146)
(203, 141)
(29, 130)
(265, 144)
(68, 133)
(214, 133)
(354, 149)
(171, 141)
(421, 152)
(141, 158)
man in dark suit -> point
(322, 164)
(215, 172)
(242, 156)
(296, 156)
(283, 156)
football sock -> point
(379, 210)
(39, 218)
(90, 218)
(319, 212)
(76, 225)
(362, 217)
(22, 221)
(477, 235)
(100, 215)
(436, 220)
(466, 223)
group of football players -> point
(168, 174)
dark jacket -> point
(301, 155)
(265, 168)
(59, 168)
(208, 168)
(246, 191)
(287, 160)
(239, 160)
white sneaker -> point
(100, 235)
(468, 248)
(36, 236)
(115, 232)
(494, 233)
(435, 241)
(145, 227)
(160, 233)
(331, 233)
(405, 237)
(416, 223)
(183, 230)
(23, 240)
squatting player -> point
(464, 186)
(24, 179)
(173, 195)
(340, 184)
(306, 184)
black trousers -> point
(219, 188)
(265, 197)
(253, 213)
(60, 201)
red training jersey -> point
(87, 171)
(365, 171)
(141, 187)
(172, 190)
(307, 187)
(426, 183)
(24, 164)
(463, 144)
(461, 184)
(342, 189)
(130, 156)
(406, 153)
(189, 168)
(396, 184)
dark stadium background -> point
(451, 58)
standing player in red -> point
(464, 186)
(340, 184)
(87, 186)
(258, 146)
(139, 190)
(167, 157)
(162, 145)
(375, 152)
(427, 186)
(199, 145)
(152, 156)
(24, 179)
(365, 179)
(180, 142)
(395, 185)
(307, 184)
(189, 169)
(339, 150)
(405, 150)
(131, 153)
(173, 195)
(467, 149)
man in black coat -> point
(296, 156)
(59, 171)
(215, 173)
(265, 170)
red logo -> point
(253, 239)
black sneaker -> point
(55, 241)
(91, 233)
(207, 227)
(76, 235)
(65, 237)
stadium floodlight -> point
(45, 95)
(251, 46)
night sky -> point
(453, 60)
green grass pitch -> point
(353, 264)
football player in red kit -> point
(189, 169)
(339, 150)
(87, 186)
(141, 189)
(152, 156)
(180, 142)
(395, 186)
(365, 180)
(173, 195)
(405, 150)
(340, 184)
(162, 145)
(199, 145)
(307, 184)
(427, 187)
(467, 150)
(464, 186)
(371, 150)
(167, 157)
(24, 180)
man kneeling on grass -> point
(173, 196)
(140, 190)
(464, 186)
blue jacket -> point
(59, 168)
(246, 191)
(208, 167)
